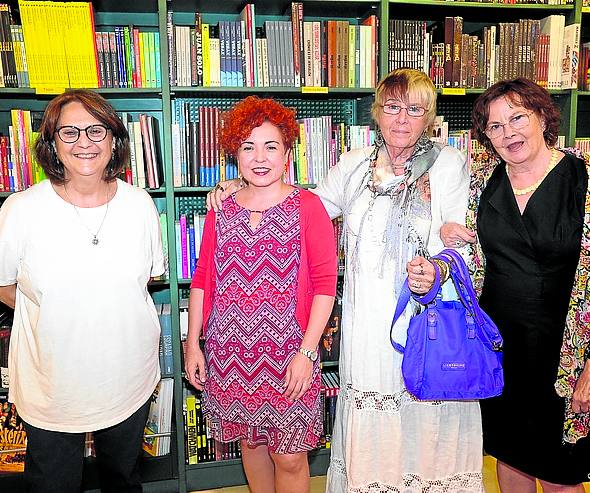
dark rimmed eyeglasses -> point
(70, 134)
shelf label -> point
(453, 91)
(314, 90)
(49, 90)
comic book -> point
(12, 438)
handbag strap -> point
(403, 299)
(461, 279)
(402, 302)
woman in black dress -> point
(530, 211)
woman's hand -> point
(581, 397)
(420, 275)
(194, 366)
(220, 192)
(455, 235)
(298, 377)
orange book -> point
(332, 44)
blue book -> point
(223, 54)
(120, 44)
(157, 53)
(166, 328)
(192, 255)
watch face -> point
(312, 355)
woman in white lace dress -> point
(394, 197)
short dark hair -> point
(523, 92)
(99, 108)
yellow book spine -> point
(302, 171)
(27, 16)
(351, 54)
(191, 430)
(142, 56)
(206, 60)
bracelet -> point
(444, 269)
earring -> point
(379, 138)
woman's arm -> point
(299, 371)
(194, 359)
(8, 295)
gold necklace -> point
(552, 163)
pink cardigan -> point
(317, 270)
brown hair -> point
(403, 83)
(522, 92)
(99, 108)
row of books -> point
(156, 438)
(145, 169)
(128, 57)
(18, 168)
(197, 158)
(57, 47)
(545, 51)
(189, 231)
(200, 445)
(293, 53)
(59, 44)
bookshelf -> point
(347, 104)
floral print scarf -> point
(576, 336)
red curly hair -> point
(251, 112)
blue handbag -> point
(453, 348)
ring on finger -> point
(458, 243)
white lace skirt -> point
(384, 440)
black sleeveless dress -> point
(530, 266)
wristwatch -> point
(312, 355)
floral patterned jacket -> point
(576, 336)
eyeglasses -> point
(70, 134)
(517, 122)
(413, 110)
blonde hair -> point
(407, 85)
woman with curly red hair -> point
(262, 293)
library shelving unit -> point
(351, 106)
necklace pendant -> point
(95, 241)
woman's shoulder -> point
(309, 199)
(39, 191)
(350, 159)
(450, 156)
(449, 160)
(130, 192)
(575, 165)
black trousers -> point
(55, 460)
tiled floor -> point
(318, 484)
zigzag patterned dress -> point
(253, 334)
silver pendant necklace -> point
(95, 241)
